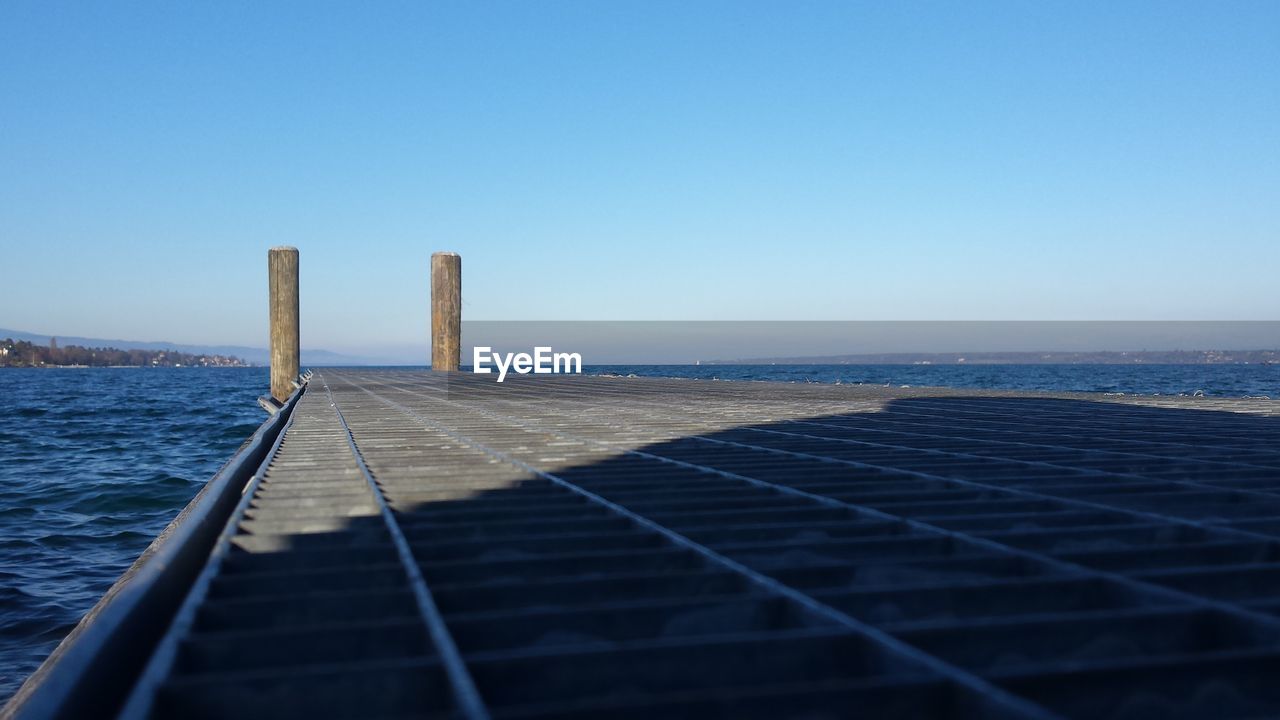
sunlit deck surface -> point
(426, 545)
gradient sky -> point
(635, 160)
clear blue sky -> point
(641, 160)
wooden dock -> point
(416, 544)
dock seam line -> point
(463, 686)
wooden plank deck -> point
(443, 545)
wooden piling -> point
(282, 267)
(446, 311)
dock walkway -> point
(422, 544)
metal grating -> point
(422, 545)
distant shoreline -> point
(1137, 357)
(129, 367)
(24, 353)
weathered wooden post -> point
(446, 311)
(282, 266)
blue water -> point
(1220, 380)
(95, 462)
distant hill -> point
(1135, 357)
(253, 355)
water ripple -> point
(93, 464)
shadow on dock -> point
(951, 556)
